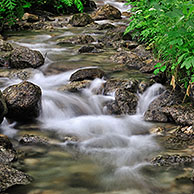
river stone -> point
(75, 86)
(5, 46)
(33, 140)
(80, 39)
(10, 177)
(130, 59)
(30, 17)
(113, 84)
(155, 110)
(125, 103)
(90, 49)
(23, 57)
(106, 12)
(7, 152)
(116, 34)
(106, 26)
(23, 101)
(172, 160)
(87, 74)
(80, 20)
(180, 114)
(3, 107)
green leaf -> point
(156, 71)
(163, 68)
(158, 65)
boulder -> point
(130, 59)
(10, 177)
(156, 109)
(180, 114)
(125, 103)
(106, 12)
(5, 46)
(112, 85)
(23, 57)
(30, 17)
(23, 101)
(87, 74)
(80, 20)
(7, 152)
(80, 39)
(3, 107)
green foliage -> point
(10, 10)
(168, 28)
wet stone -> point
(7, 152)
(75, 86)
(106, 12)
(89, 49)
(33, 139)
(10, 177)
(80, 20)
(3, 107)
(173, 160)
(5, 46)
(80, 39)
(30, 17)
(87, 74)
(23, 57)
(23, 101)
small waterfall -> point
(122, 143)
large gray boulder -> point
(23, 101)
(23, 57)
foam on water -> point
(120, 142)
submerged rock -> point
(80, 39)
(23, 57)
(75, 86)
(23, 101)
(87, 74)
(33, 139)
(106, 26)
(172, 160)
(90, 49)
(10, 177)
(7, 152)
(80, 20)
(106, 12)
(3, 107)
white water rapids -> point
(122, 143)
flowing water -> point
(112, 153)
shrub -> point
(168, 28)
(10, 10)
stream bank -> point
(120, 61)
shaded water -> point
(112, 153)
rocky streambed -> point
(78, 98)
